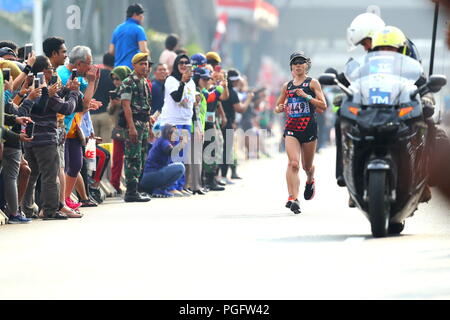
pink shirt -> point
(168, 57)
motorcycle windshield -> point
(382, 78)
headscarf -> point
(122, 72)
(165, 132)
(175, 72)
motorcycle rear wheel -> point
(379, 206)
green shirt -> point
(137, 91)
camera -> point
(6, 74)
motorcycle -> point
(384, 136)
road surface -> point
(237, 244)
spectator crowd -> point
(75, 132)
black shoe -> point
(88, 203)
(288, 204)
(198, 192)
(136, 197)
(56, 216)
(295, 206)
(351, 203)
(310, 191)
(235, 177)
(215, 188)
(340, 181)
(144, 195)
(396, 227)
(96, 195)
(220, 183)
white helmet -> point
(363, 26)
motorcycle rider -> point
(361, 32)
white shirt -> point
(177, 113)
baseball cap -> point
(213, 56)
(198, 59)
(298, 55)
(5, 51)
(202, 73)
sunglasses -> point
(296, 62)
(183, 62)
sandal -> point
(72, 213)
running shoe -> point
(18, 219)
(295, 206)
(88, 203)
(289, 203)
(310, 191)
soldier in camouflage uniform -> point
(136, 103)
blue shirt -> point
(157, 96)
(157, 156)
(86, 125)
(126, 38)
(64, 74)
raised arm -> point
(281, 101)
(319, 101)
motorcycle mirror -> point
(328, 79)
(332, 70)
(436, 82)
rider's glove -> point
(428, 103)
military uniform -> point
(137, 91)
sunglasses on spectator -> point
(183, 62)
(300, 61)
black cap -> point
(296, 55)
(136, 8)
(5, 51)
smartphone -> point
(30, 79)
(54, 79)
(40, 76)
(37, 83)
(27, 50)
(113, 95)
(6, 74)
(29, 129)
(74, 74)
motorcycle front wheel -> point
(379, 206)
